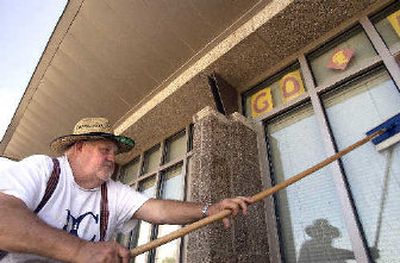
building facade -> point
(281, 86)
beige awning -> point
(143, 64)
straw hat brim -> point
(60, 144)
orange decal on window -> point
(261, 102)
(394, 20)
(291, 86)
(340, 58)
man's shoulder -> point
(111, 184)
(37, 160)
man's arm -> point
(22, 231)
(177, 212)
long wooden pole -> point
(257, 197)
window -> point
(130, 172)
(309, 211)
(171, 188)
(152, 160)
(276, 93)
(336, 58)
(147, 187)
(176, 147)
(349, 210)
(165, 167)
(373, 176)
(387, 24)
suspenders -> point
(104, 213)
(51, 186)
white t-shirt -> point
(72, 208)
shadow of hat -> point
(322, 228)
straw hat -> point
(91, 129)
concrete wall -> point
(225, 164)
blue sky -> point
(25, 28)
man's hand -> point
(102, 252)
(234, 204)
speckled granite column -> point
(225, 164)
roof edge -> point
(60, 30)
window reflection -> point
(323, 236)
(373, 176)
(295, 145)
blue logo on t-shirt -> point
(72, 224)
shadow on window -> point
(319, 248)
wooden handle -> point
(257, 197)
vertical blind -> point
(374, 177)
(310, 218)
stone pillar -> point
(225, 164)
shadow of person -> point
(319, 248)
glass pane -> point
(130, 172)
(173, 184)
(388, 27)
(151, 160)
(170, 252)
(352, 53)
(288, 86)
(147, 187)
(373, 176)
(172, 188)
(176, 147)
(309, 213)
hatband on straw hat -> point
(92, 129)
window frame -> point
(162, 167)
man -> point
(73, 218)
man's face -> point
(98, 158)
